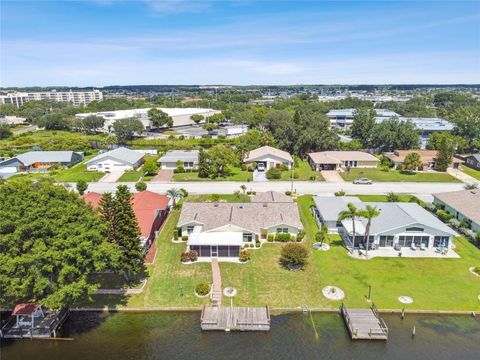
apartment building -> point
(17, 99)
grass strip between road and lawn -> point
(397, 176)
(472, 172)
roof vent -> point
(215, 205)
(265, 205)
(240, 207)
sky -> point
(238, 42)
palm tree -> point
(175, 195)
(350, 213)
(237, 194)
(368, 213)
(322, 235)
(243, 188)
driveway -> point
(111, 177)
(460, 175)
(259, 176)
(164, 175)
(332, 176)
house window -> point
(415, 229)
(190, 229)
(282, 230)
(247, 237)
(188, 164)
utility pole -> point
(293, 171)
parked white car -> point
(261, 167)
(363, 181)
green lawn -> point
(236, 175)
(472, 172)
(438, 284)
(136, 175)
(382, 198)
(396, 176)
(304, 172)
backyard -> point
(397, 176)
(436, 284)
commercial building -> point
(343, 118)
(180, 116)
(75, 97)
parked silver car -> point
(363, 181)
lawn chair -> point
(445, 251)
(413, 246)
(422, 247)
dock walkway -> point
(216, 295)
(365, 324)
(235, 318)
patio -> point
(405, 251)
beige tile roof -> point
(268, 150)
(337, 157)
(271, 196)
(466, 202)
(425, 155)
(250, 216)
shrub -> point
(283, 167)
(202, 289)
(141, 186)
(193, 255)
(313, 177)
(270, 237)
(296, 175)
(243, 167)
(294, 254)
(300, 235)
(185, 256)
(289, 193)
(175, 234)
(244, 255)
(400, 167)
(340, 193)
(454, 222)
(444, 215)
(184, 237)
(283, 237)
(392, 197)
(82, 186)
(257, 243)
(215, 197)
(464, 223)
(273, 174)
(179, 170)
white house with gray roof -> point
(398, 225)
(270, 156)
(121, 159)
(188, 158)
(220, 230)
(35, 161)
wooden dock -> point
(43, 328)
(364, 324)
(235, 318)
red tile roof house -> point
(151, 210)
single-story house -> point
(151, 210)
(473, 161)
(428, 158)
(398, 223)
(188, 158)
(271, 197)
(270, 156)
(220, 230)
(35, 161)
(12, 120)
(463, 205)
(333, 160)
(120, 159)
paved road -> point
(302, 187)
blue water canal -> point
(160, 335)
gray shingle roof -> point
(33, 157)
(250, 216)
(392, 215)
(270, 196)
(122, 154)
(182, 155)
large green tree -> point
(445, 154)
(393, 135)
(54, 121)
(467, 126)
(126, 129)
(363, 124)
(5, 131)
(50, 242)
(159, 118)
(123, 231)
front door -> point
(214, 252)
